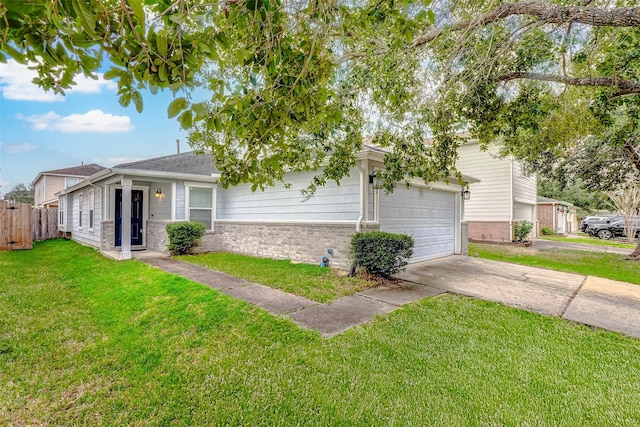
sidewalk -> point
(589, 300)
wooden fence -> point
(45, 224)
(20, 225)
(16, 226)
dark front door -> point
(136, 217)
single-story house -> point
(505, 195)
(276, 222)
(559, 216)
(48, 183)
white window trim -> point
(92, 218)
(65, 182)
(214, 191)
(80, 213)
(62, 202)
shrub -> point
(546, 231)
(380, 253)
(522, 230)
(184, 236)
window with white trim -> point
(80, 203)
(200, 206)
(61, 204)
(69, 182)
(91, 205)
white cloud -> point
(16, 84)
(18, 148)
(94, 121)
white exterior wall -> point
(524, 187)
(330, 203)
(84, 235)
(491, 197)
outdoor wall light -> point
(466, 194)
(159, 193)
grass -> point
(310, 281)
(89, 341)
(589, 241)
(608, 265)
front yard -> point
(87, 340)
(601, 264)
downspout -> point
(513, 202)
(363, 187)
(553, 217)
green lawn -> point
(589, 241)
(85, 340)
(311, 281)
(600, 264)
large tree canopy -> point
(293, 83)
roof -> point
(549, 200)
(189, 163)
(75, 171)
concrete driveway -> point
(593, 301)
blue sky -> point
(40, 131)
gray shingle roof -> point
(189, 163)
(82, 170)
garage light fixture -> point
(466, 194)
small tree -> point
(184, 236)
(522, 230)
(627, 201)
(380, 253)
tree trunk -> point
(635, 255)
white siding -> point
(524, 211)
(524, 186)
(330, 203)
(159, 207)
(180, 200)
(491, 197)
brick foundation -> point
(297, 241)
(157, 237)
(490, 231)
(108, 235)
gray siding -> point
(180, 200)
(159, 207)
(330, 203)
(84, 235)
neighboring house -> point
(276, 222)
(504, 196)
(48, 183)
(559, 216)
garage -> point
(427, 215)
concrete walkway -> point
(592, 301)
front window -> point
(201, 205)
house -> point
(276, 222)
(48, 183)
(559, 216)
(505, 195)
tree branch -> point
(625, 87)
(549, 14)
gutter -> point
(363, 188)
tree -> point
(627, 202)
(299, 84)
(20, 193)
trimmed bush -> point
(184, 236)
(546, 231)
(522, 230)
(379, 253)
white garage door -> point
(427, 215)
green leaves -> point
(176, 106)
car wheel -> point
(605, 234)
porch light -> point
(159, 193)
(466, 194)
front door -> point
(136, 217)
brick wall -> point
(464, 236)
(499, 231)
(298, 241)
(545, 216)
(157, 237)
(108, 236)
